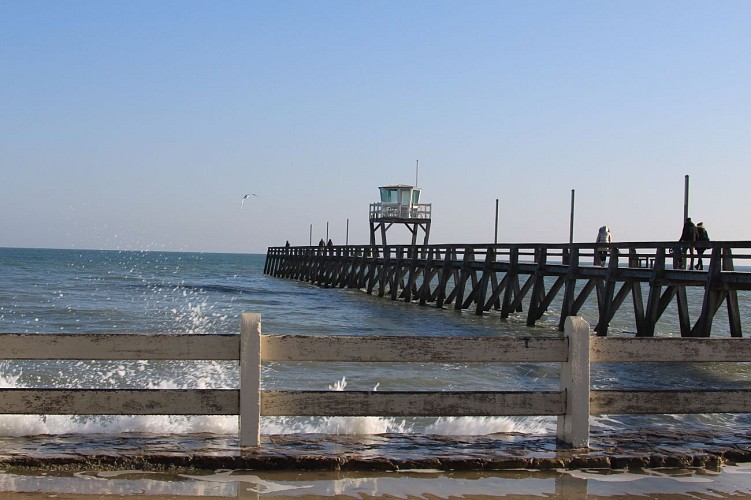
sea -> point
(47, 291)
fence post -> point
(250, 379)
(573, 426)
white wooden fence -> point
(573, 403)
(56, 401)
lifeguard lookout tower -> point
(400, 204)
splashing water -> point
(164, 293)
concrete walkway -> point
(632, 450)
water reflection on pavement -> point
(729, 482)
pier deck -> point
(509, 277)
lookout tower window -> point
(405, 197)
(389, 195)
(415, 196)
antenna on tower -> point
(417, 171)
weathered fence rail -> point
(505, 278)
(572, 404)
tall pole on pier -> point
(685, 199)
(571, 225)
(495, 239)
(311, 235)
(346, 239)
(327, 231)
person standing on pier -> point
(701, 235)
(601, 252)
(689, 237)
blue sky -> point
(141, 124)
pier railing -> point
(508, 277)
(572, 404)
(381, 210)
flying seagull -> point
(242, 202)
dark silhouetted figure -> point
(688, 237)
(601, 252)
(701, 235)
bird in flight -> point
(242, 202)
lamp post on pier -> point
(571, 224)
(495, 239)
(685, 199)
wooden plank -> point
(652, 349)
(120, 402)
(410, 404)
(670, 402)
(402, 349)
(119, 346)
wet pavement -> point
(386, 452)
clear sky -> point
(141, 124)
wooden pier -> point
(508, 277)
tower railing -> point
(382, 210)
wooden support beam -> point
(584, 295)
(713, 296)
(396, 277)
(466, 272)
(684, 321)
(482, 284)
(567, 303)
(734, 313)
(497, 290)
(548, 299)
(427, 276)
(443, 281)
(538, 290)
(606, 296)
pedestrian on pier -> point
(601, 252)
(689, 236)
(701, 235)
